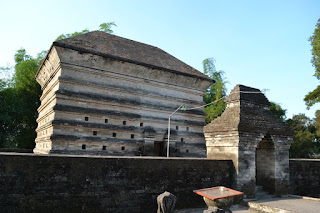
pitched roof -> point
(245, 93)
(111, 46)
(251, 114)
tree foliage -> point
(277, 111)
(314, 96)
(305, 142)
(20, 94)
(68, 35)
(104, 27)
(216, 93)
(317, 123)
(19, 101)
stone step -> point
(266, 209)
(234, 209)
(289, 204)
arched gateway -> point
(257, 142)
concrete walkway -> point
(291, 204)
(294, 204)
(234, 209)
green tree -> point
(305, 141)
(19, 97)
(68, 35)
(216, 93)
(277, 111)
(104, 27)
(19, 102)
(314, 96)
(9, 121)
(317, 123)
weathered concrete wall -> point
(305, 177)
(61, 183)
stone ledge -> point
(67, 108)
(113, 157)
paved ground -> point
(234, 209)
(289, 204)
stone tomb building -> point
(107, 95)
(248, 133)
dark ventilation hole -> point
(86, 118)
(123, 148)
(176, 150)
(177, 127)
(140, 149)
(95, 133)
(187, 151)
(124, 122)
(181, 139)
(83, 146)
(132, 135)
(187, 128)
(114, 134)
(106, 121)
(141, 124)
(104, 147)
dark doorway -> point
(158, 148)
(265, 164)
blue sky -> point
(262, 44)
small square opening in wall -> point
(181, 139)
(86, 118)
(104, 147)
(123, 148)
(177, 127)
(132, 135)
(187, 151)
(94, 132)
(83, 146)
(187, 128)
(114, 134)
(141, 124)
(106, 121)
(124, 122)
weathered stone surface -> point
(219, 204)
(115, 47)
(62, 183)
(99, 87)
(212, 209)
(166, 202)
(305, 177)
(258, 143)
(68, 183)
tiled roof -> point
(108, 45)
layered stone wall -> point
(258, 143)
(305, 177)
(61, 183)
(107, 95)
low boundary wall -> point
(305, 177)
(68, 183)
(62, 183)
